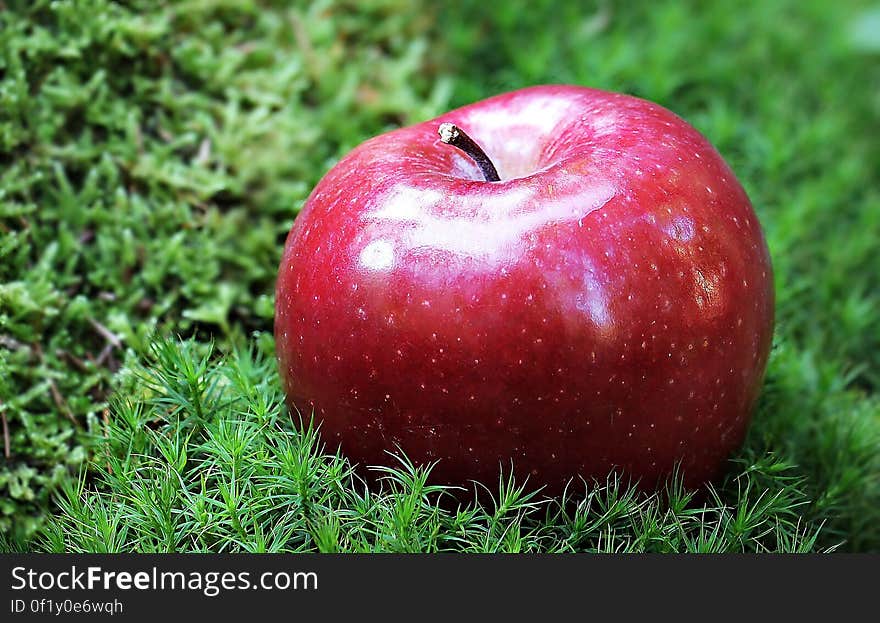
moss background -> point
(152, 158)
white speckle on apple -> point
(681, 229)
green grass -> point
(153, 156)
(151, 160)
(202, 457)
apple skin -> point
(607, 305)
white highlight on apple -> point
(378, 255)
(513, 135)
(497, 233)
(603, 123)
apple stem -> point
(453, 135)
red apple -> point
(608, 304)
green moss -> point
(154, 154)
(202, 456)
(788, 92)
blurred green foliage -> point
(153, 154)
(789, 93)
